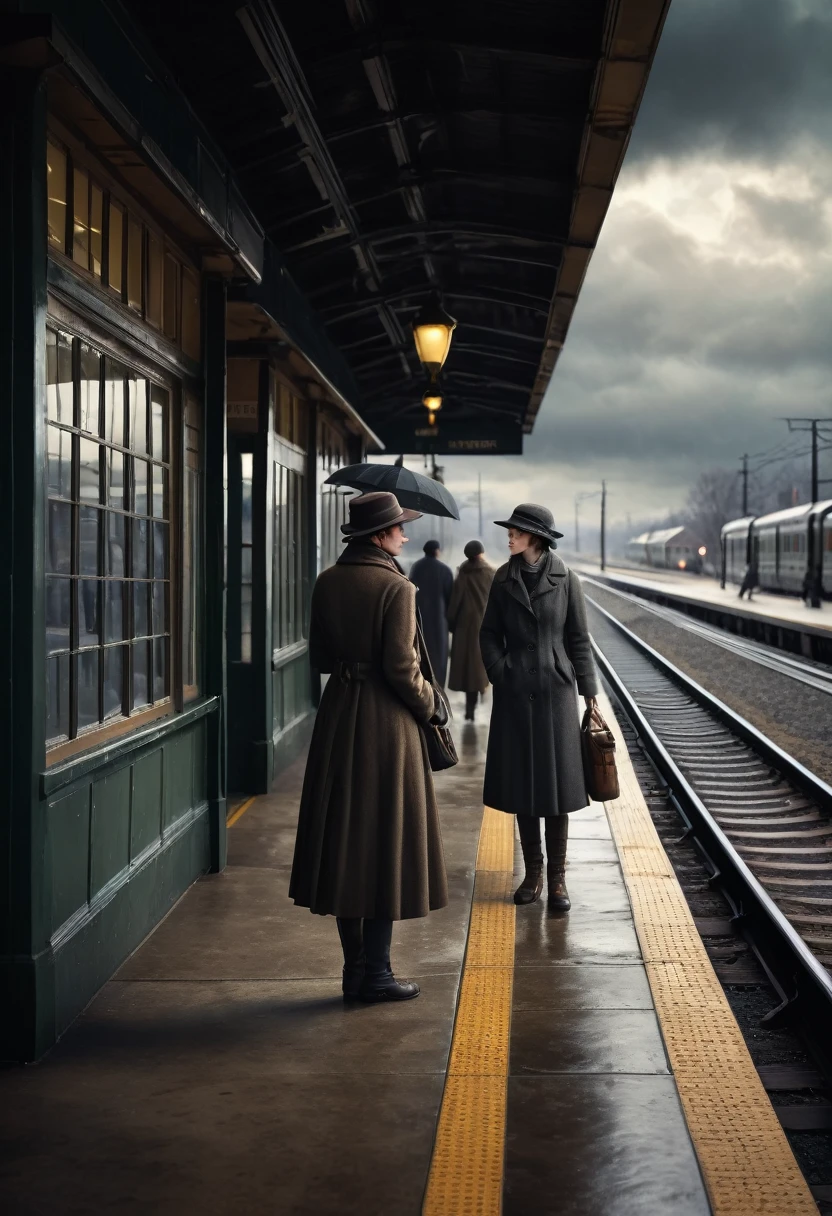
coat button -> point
(530, 646)
(531, 696)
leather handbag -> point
(598, 756)
(438, 739)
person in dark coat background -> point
(536, 649)
(368, 848)
(435, 581)
(465, 613)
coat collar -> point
(362, 553)
(553, 571)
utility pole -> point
(479, 503)
(603, 524)
(744, 475)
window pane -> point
(114, 681)
(59, 462)
(115, 477)
(88, 540)
(89, 489)
(246, 462)
(88, 611)
(160, 550)
(159, 421)
(57, 697)
(141, 613)
(114, 377)
(89, 389)
(138, 415)
(134, 263)
(245, 623)
(141, 673)
(116, 247)
(58, 592)
(56, 196)
(81, 227)
(153, 309)
(140, 527)
(96, 228)
(59, 377)
(114, 544)
(245, 564)
(113, 610)
(140, 487)
(88, 687)
(171, 298)
(190, 313)
(160, 669)
(160, 488)
(58, 538)
(159, 615)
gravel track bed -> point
(794, 716)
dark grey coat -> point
(536, 652)
(435, 581)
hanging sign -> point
(484, 437)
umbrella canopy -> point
(413, 490)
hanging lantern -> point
(432, 401)
(432, 330)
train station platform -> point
(585, 1064)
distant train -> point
(788, 545)
(669, 548)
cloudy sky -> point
(707, 310)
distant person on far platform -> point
(750, 579)
(467, 608)
(435, 582)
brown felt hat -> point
(371, 513)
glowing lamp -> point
(432, 401)
(702, 550)
(683, 564)
(432, 330)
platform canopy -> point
(392, 151)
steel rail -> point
(816, 677)
(804, 985)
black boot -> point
(352, 943)
(531, 886)
(557, 831)
(379, 983)
(471, 699)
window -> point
(191, 548)
(125, 254)
(288, 573)
(108, 547)
(246, 542)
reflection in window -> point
(56, 196)
(134, 264)
(96, 229)
(288, 573)
(115, 251)
(191, 540)
(107, 557)
(81, 226)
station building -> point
(216, 229)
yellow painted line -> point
(239, 811)
(743, 1151)
(466, 1170)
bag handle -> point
(588, 715)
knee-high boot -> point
(379, 983)
(352, 943)
(557, 832)
(529, 890)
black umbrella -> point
(413, 490)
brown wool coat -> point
(538, 656)
(465, 613)
(368, 841)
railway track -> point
(761, 821)
(815, 675)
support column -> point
(215, 525)
(27, 1010)
(311, 485)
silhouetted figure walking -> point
(467, 608)
(435, 581)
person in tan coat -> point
(465, 613)
(368, 848)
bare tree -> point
(712, 501)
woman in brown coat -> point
(465, 613)
(368, 848)
(536, 649)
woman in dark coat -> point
(536, 650)
(465, 613)
(435, 581)
(369, 849)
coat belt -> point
(347, 672)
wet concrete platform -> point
(220, 1072)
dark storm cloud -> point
(746, 75)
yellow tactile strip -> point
(743, 1152)
(466, 1170)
